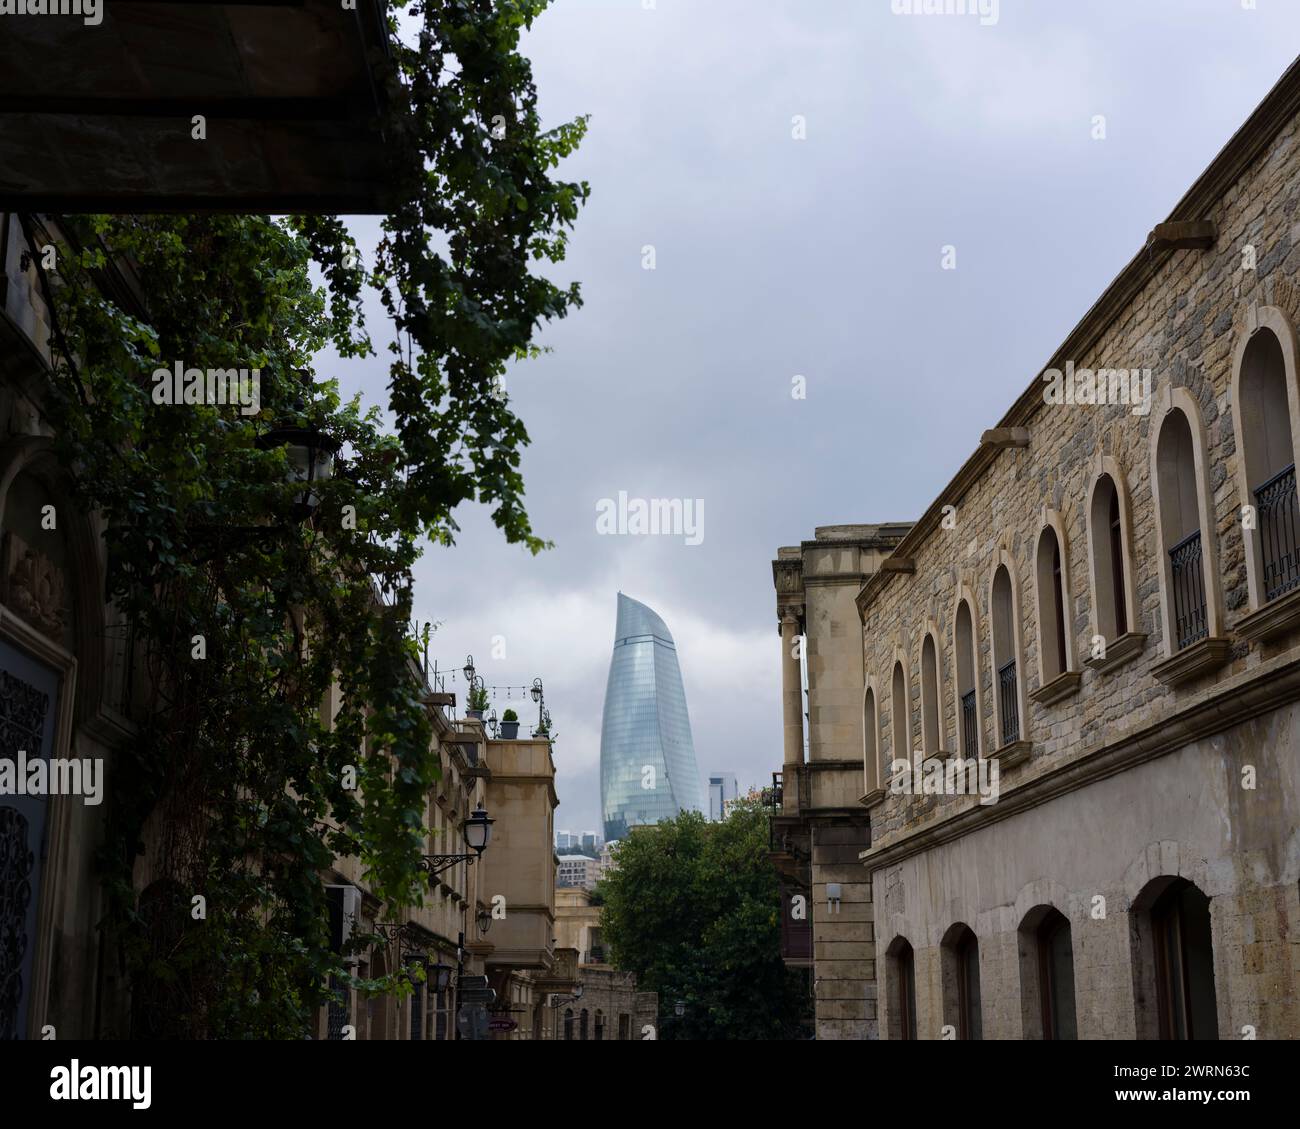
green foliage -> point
(693, 910)
(478, 698)
(236, 757)
(473, 207)
(510, 715)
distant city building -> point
(564, 840)
(647, 758)
(608, 862)
(578, 870)
(723, 790)
(590, 841)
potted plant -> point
(509, 725)
(478, 702)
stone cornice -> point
(1231, 705)
(1278, 108)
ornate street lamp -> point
(439, 976)
(679, 1008)
(477, 831)
(310, 453)
(468, 670)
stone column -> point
(792, 707)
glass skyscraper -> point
(647, 757)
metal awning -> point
(98, 118)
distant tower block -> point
(647, 757)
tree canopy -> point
(693, 909)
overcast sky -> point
(778, 257)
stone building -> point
(613, 1006)
(1055, 793)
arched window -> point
(1006, 669)
(870, 742)
(1268, 457)
(568, 1023)
(900, 966)
(960, 959)
(582, 1025)
(1047, 975)
(1174, 962)
(1109, 572)
(931, 725)
(600, 1025)
(1053, 653)
(1180, 522)
(901, 716)
(968, 720)
(624, 1026)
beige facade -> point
(1102, 608)
(611, 1001)
(444, 929)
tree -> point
(241, 613)
(693, 910)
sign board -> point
(502, 1024)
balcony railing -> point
(1009, 702)
(969, 725)
(1275, 502)
(1190, 622)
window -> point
(901, 968)
(600, 1025)
(931, 725)
(967, 695)
(1006, 671)
(1052, 609)
(1109, 573)
(1047, 975)
(900, 716)
(1268, 457)
(1189, 595)
(870, 745)
(624, 1027)
(1174, 965)
(582, 1025)
(568, 1022)
(417, 1011)
(960, 960)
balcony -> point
(1009, 703)
(970, 739)
(1188, 578)
(1275, 503)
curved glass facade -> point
(647, 757)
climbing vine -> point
(272, 654)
